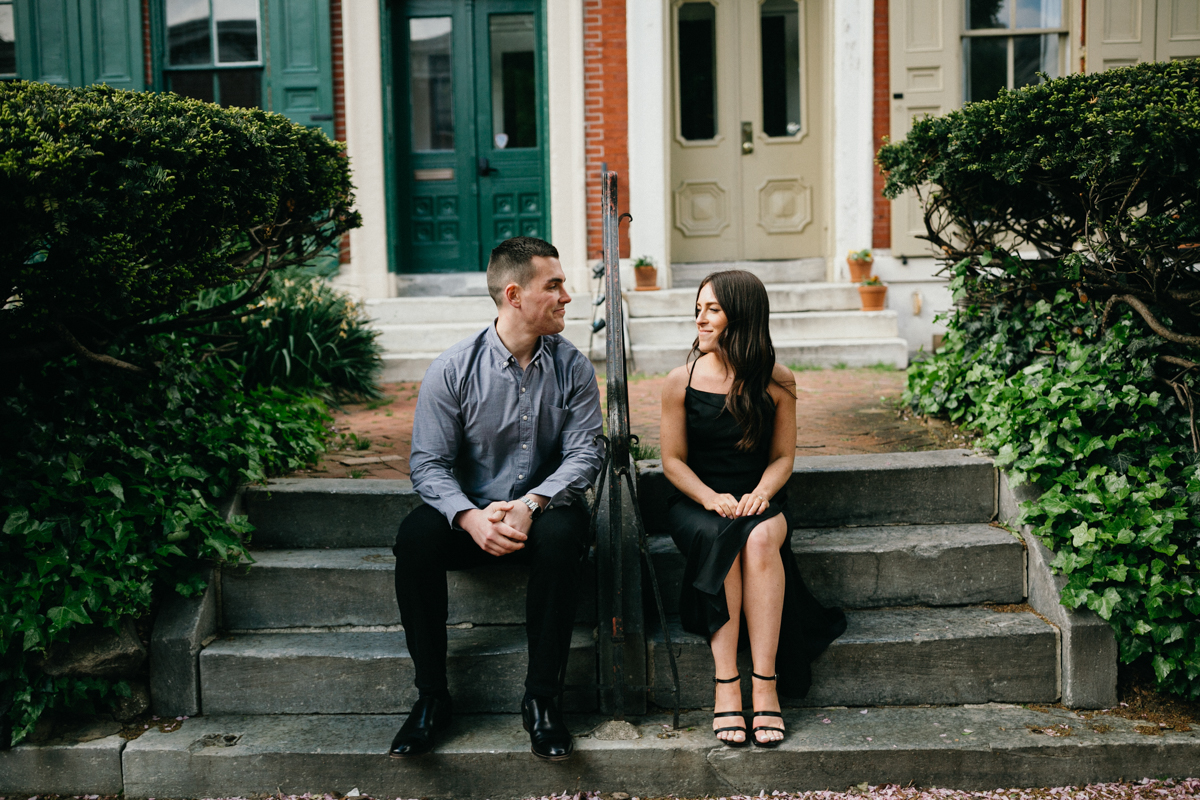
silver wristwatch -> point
(534, 508)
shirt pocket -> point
(551, 420)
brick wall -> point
(881, 217)
(606, 112)
(147, 59)
(339, 96)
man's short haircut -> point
(512, 262)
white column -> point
(853, 150)
(367, 273)
(568, 186)
(649, 167)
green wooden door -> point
(469, 130)
(80, 42)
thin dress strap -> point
(690, 369)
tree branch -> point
(1142, 309)
(74, 344)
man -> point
(503, 448)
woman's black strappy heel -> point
(754, 731)
(731, 742)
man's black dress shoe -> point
(549, 738)
(430, 716)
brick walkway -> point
(838, 411)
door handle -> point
(485, 168)
(747, 138)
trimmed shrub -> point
(120, 206)
(109, 497)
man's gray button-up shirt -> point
(486, 430)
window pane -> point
(987, 14)
(189, 38)
(987, 66)
(1039, 13)
(780, 22)
(432, 92)
(193, 83)
(237, 30)
(1034, 54)
(241, 87)
(514, 90)
(697, 75)
(8, 41)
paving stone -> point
(328, 512)
(63, 767)
(356, 586)
(972, 748)
(898, 657)
(371, 672)
(895, 565)
(181, 629)
(930, 487)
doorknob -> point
(747, 138)
(485, 168)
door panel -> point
(1120, 33)
(746, 174)
(1178, 30)
(300, 79)
(470, 130)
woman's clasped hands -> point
(730, 507)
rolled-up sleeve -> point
(436, 438)
(581, 453)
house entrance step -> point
(893, 352)
(783, 296)
(786, 327)
(905, 656)
(371, 672)
(971, 748)
(800, 270)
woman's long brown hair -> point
(746, 347)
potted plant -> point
(872, 292)
(860, 262)
(645, 274)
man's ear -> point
(512, 295)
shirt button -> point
(522, 390)
(524, 447)
(524, 416)
(521, 477)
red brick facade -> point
(605, 111)
(146, 51)
(339, 96)
(881, 216)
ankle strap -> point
(764, 677)
(734, 679)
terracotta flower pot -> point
(647, 279)
(872, 297)
(859, 270)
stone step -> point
(371, 672)
(934, 487)
(800, 270)
(487, 755)
(899, 565)
(435, 337)
(791, 326)
(356, 586)
(930, 487)
(655, 359)
(444, 308)
(783, 296)
(907, 656)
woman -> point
(728, 443)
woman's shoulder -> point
(783, 382)
(781, 374)
(677, 381)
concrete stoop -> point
(487, 756)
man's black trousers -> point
(427, 547)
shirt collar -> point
(503, 356)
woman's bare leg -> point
(762, 602)
(724, 649)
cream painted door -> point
(747, 147)
(1124, 32)
(926, 81)
(1178, 30)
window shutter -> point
(926, 80)
(80, 42)
(300, 62)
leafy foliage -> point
(109, 494)
(119, 206)
(1098, 173)
(1084, 416)
(303, 335)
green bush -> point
(1083, 416)
(304, 335)
(120, 206)
(109, 493)
(1092, 177)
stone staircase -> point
(813, 323)
(298, 669)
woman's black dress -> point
(711, 542)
